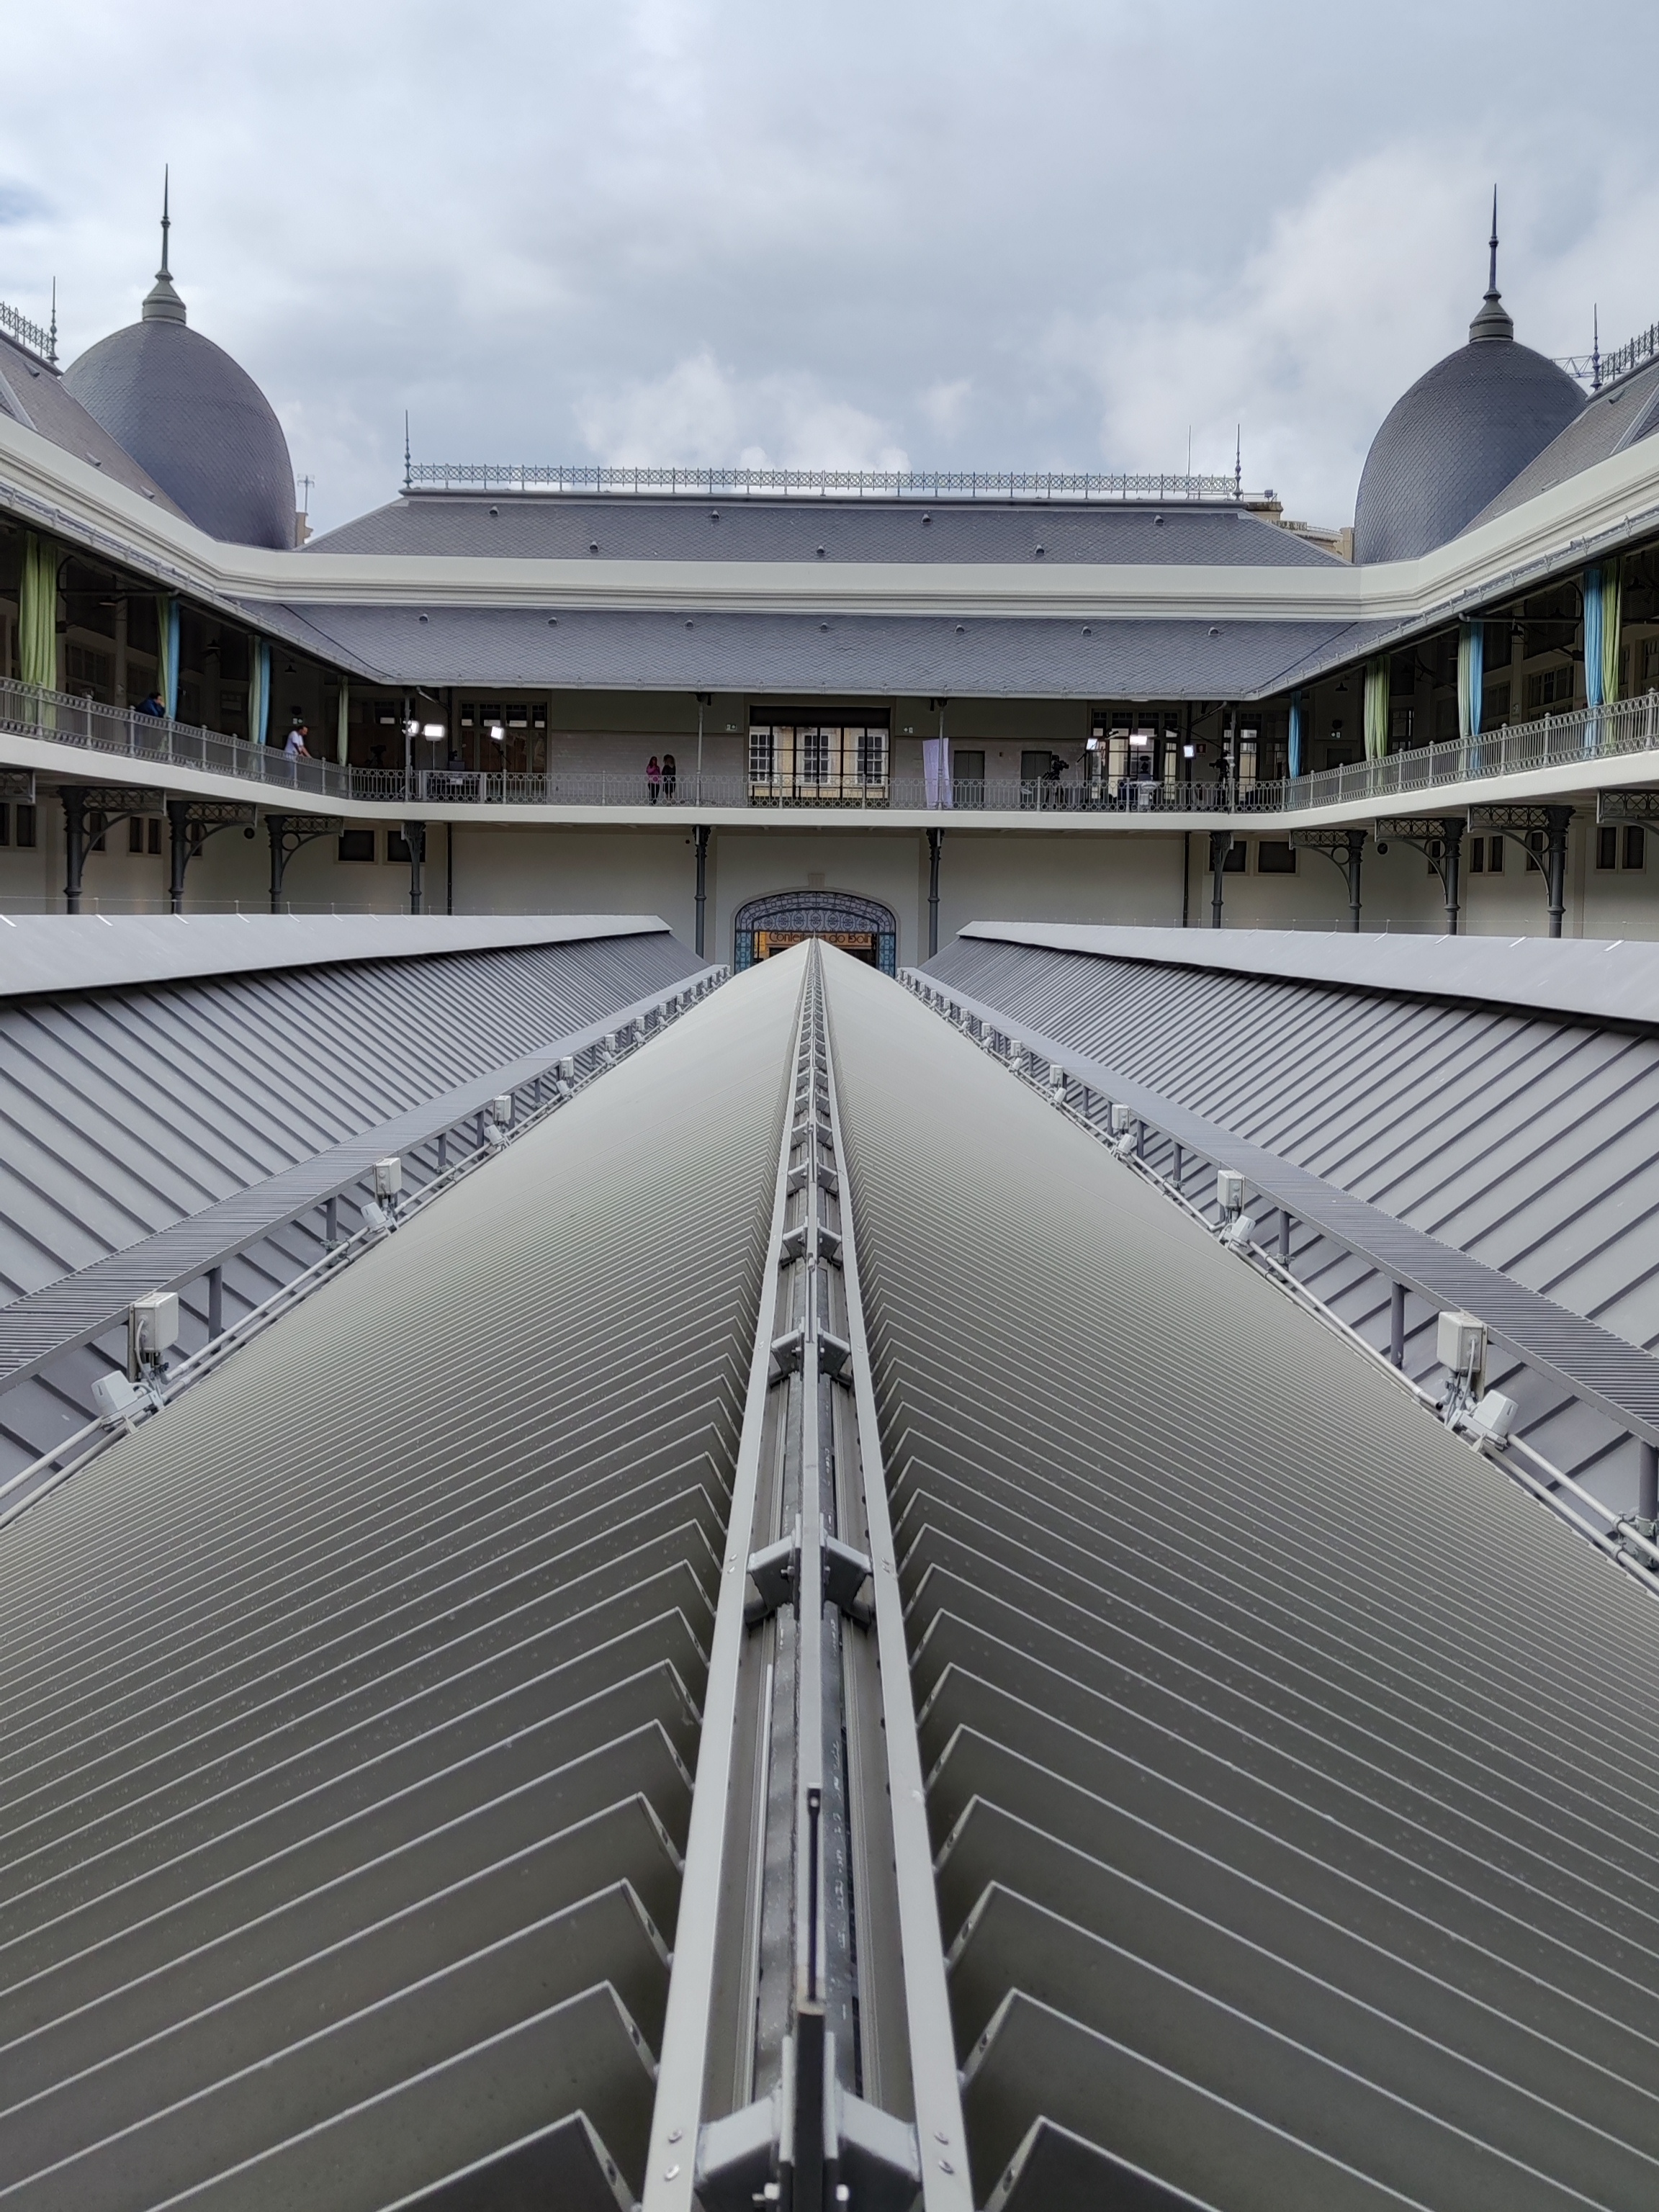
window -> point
(397, 845)
(89, 670)
(1275, 857)
(1445, 720)
(1495, 856)
(1234, 863)
(813, 753)
(1401, 719)
(24, 821)
(1551, 687)
(1650, 660)
(872, 756)
(5, 825)
(358, 845)
(97, 833)
(1494, 706)
(1606, 848)
(1635, 846)
(1478, 854)
(135, 833)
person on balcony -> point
(152, 704)
(670, 775)
(296, 748)
(652, 778)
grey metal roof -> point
(34, 394)
(59, 952)
(834, 654)
(1611, 421)
(350, 1704)
(550, 526)
(1448, 446)
(1285, 1852)
(197, 423)
(1520, 1140)
(1607, 981)
(153, 1130)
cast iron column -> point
(1451, 831)
(75, 846)
(276, 830)
(700, 837)
(178, 851)
(1356, 853)
(935, 839)
(415, 838)
(1555, 863)
(1221, 843)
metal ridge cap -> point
(50, 953)
(1579, 978)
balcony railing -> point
(1629, 729)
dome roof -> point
(1460, 435)
(192, 419)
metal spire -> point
(52, 335)
(1493, 321)
(161, 303)
(1238, 461)
(406, 452)
(1596, 347)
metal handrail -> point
(885, 483)
(1629, 728)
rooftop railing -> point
(1628, 729)
(875, 483)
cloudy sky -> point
(992, 234)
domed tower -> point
(1460, 435)
(189, 416)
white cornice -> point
(1602, 503)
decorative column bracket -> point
(1426, 833)
(1344, 849)
(1520, 825)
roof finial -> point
(1493, 321)
(1596, 347)
(1238, 461)
(52, 335)
(406, 456)
(161, 303)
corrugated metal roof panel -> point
(1285, 1851)
(348, 1704)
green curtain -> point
(1613, 595)
(37, 627)
(1377, 708)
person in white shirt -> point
(296, 748)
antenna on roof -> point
(1492, 271)
(1596, 347)
(406, 454)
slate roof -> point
(1448, 446)
(35, 395)
(1612, 422)
(551, 527)
(834, 654)
(198, 422)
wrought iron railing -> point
(35, 337)
(880, 483)
(1586, 734)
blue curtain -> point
(167, 669)
(1471, 677)
(1296, 733)
(259, 691)
(1594, 638)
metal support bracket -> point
(775, 1573)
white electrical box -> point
(154, 1324)
(1122, 1121)
(1460, 1344)
(1229, 1190)
(567, 1070)
(388, 1177)
(501, 1109)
